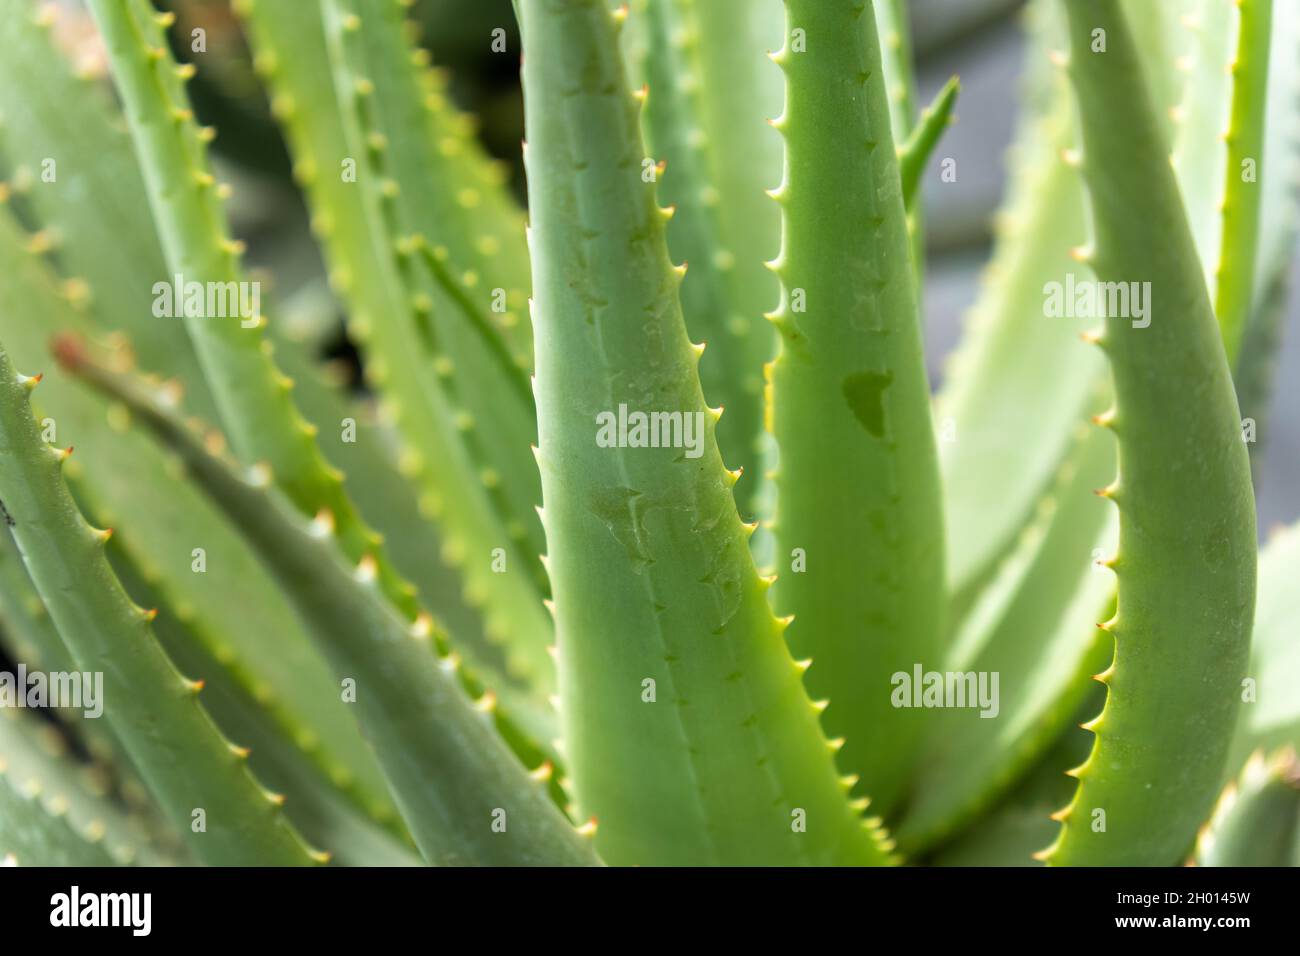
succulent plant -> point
(529, 597)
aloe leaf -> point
(442, 202)
(29, 636)
(1257, 819)
(321, 810)
(1281, 162)
(183, 758)
(986, 765)
(1186, 560)
(858, 498)
(1199, 153)
(30, 832)
(711, 91)
(1259, 362)
(76, 169)
(253, 396)
(463, 793)
(896, 62)
(184, 549)
(999, 453)
(526, 720)
(1220, 123)
(899, 73)
(37, 765)
(323, 805)
(1034, 627)
(258, 410)
(686, 727)
(512, 490)
(471, 219)
(474, 371)
(1227, 167)
(1270, 718)
(375, 482)
(1243, 193)
(915, 152)
(1260, 347)
(1013, 830)
(470, 215)
(324, 133)
(290, 684)
(1161, 30)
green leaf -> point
(999, 452)
(1270, 718)
(470, 216)
(31, 832)
(1186, 561)
(463, 793)
(320, 801)
(253, 396)
(711, 92)
(258, 411)
(1034, 627)
(37, 765)
(686, 726)
(526, 720)
(1012, 831)
(74, 165)
(184, 548)
(376, 483)
(322, 810)
(1243, 192)
(29, 636)
(1199, 153)
(915, 152)
(894, 30)
(1164, 31)
(324, 133)
(1229, 170)
(896, 60)
(1257, 820)
(858, 494)
(1261, 343)
(467, 233)
(1281, 162)
(155, 712)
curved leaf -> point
(1257, 820)
(686, 726)
(858, 527)
(185, 761)
(463, 793)
(1186, 560)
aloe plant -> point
(631, 551)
